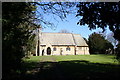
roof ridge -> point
(56, 32)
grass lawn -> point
(91, 58)
(74, 67)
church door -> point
(48, 51)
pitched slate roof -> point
(62, 39)
(79, 40)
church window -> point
(68, 49)
(54, 49)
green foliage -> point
(17, 22)
(30, 46)
(98, 44)
(100, 15)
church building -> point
(61, 44)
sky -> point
(70, 24)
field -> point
(72, 67)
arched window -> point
(54, 49)
(68, 49)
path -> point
(48, 58)
(47, 69)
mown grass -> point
(91, 58)
(74, 67)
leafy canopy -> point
(17, 26)
(100, 15)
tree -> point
(29, 49)
(18, 24)
(98, 44)
(111, 39)
(64, 31)
(100, 15)
(109, 47)
(117, 52)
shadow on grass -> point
(84, 70)
(70, 70)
